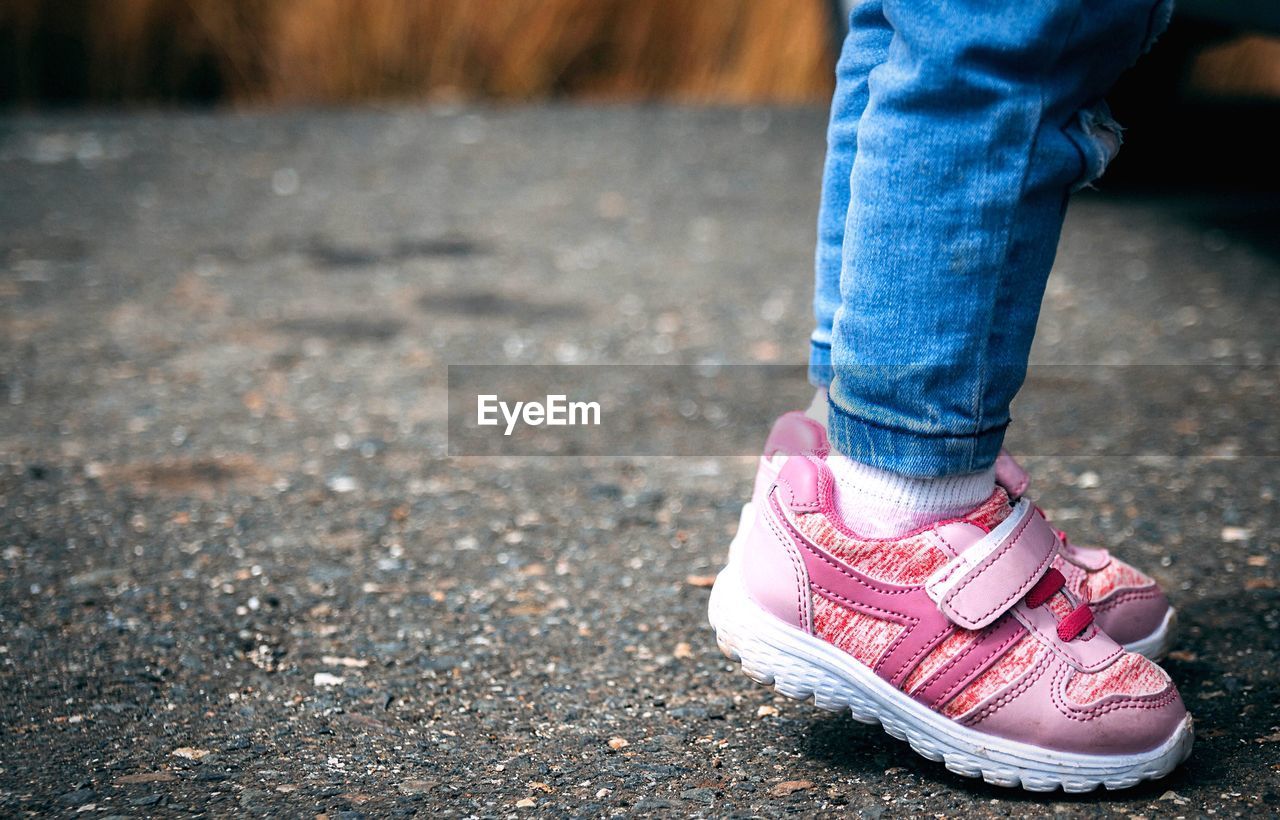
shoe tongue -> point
(991, 512)
(1011, 476)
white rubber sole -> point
(804, 667)
(1154, 647)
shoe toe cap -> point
(1129, 708)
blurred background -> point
(1207, 90)
(340, 51)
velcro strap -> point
(984, 581)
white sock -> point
(876, 503)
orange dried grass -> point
(329, 51)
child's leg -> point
(865, 47)
(978, 123)
(896, 580)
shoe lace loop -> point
(1070, 627)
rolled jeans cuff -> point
(928, 455)
(820, 371)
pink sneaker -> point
(960, 638)
(1127, 604)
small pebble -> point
(349, 663)
(342, 484)
(787, 787)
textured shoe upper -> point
(1016, 676)
(1127, 604)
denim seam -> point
(1080, 152)
(1006, 243)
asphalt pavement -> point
(240, 573)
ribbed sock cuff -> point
(881, 504)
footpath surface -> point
(238, 573)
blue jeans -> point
(958, 130)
